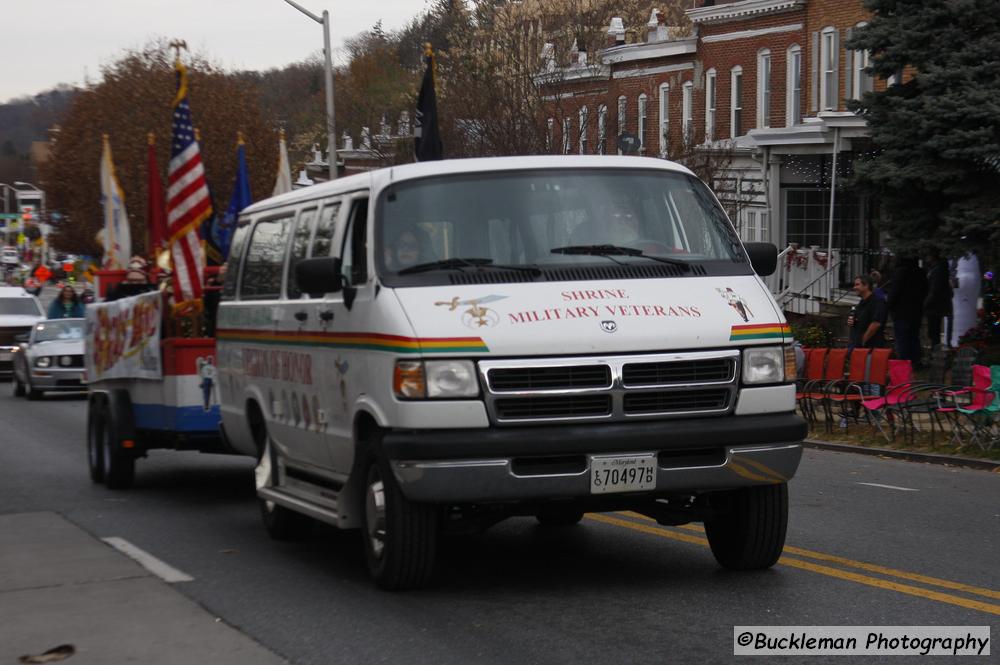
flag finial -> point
(177, 45)
(428, 49)
(239, 138)
(151, 138)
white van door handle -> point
(326, 315)
(301, 316)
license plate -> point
(622, 473)
(6, 355)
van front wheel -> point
(400, 535)
(749, 531)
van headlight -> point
(415, 379)
(43, 361)
(764, 364)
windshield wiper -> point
(612, 250)
(457, 263)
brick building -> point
(758, 86)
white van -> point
(443, 345)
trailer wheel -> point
(400, 535)
(281, 523)
(119, 467)
(749, 534)
(95, 443)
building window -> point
(710, 94)
(750, 226)
(643, 103)
(687, 112)
(664, 119)
(828, 67)
(602, 130)
(584, 118)
(793, 88)
(567, 141)
(736, 101)
(622, 107)
(764, 89)
(863, 81)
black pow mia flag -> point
(427, 136)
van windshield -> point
(547, 220)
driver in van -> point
(406, 248)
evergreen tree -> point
(936, 131)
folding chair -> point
(839, 392)
(976, 398)
(815, 391)
(814, 364)
(982, 414)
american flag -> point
(188, 201)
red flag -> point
(156, 214)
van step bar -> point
(314, 511)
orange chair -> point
(814, 393)
(815, 361)
(839, 392)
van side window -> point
(299, 249)
(233, 264)
(265, 259)
(326, 226)
(355, 253)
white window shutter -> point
(836, 71)
(814, 74)
(848, 68)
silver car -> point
(50, 358)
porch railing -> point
(804, 278)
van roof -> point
(379, 178)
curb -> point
(927, 458)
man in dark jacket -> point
(937, 304)
(867, 319)
(907, 292)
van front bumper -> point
(552, 462)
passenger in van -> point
(406, 248)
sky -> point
(47, 42)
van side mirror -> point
(763, 257)
(318, 276)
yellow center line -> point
(812, 567)
(861, 565)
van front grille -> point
(666, 373)
(567, 377)
(697, 383)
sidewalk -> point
(60, 585)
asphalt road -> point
(870, 542)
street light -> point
(331, 137)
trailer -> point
(145, 391)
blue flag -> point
(222, 230)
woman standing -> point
(66, 306)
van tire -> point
(95, 438)
(559, 517)
(281, 523)
(119, 466)
(400, 535)
(749, 534)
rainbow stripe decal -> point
(759, 331)
(358, 340)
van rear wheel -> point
(400, 535)
(749, 531)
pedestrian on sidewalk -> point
(907, 292)
(937, 304)
(867, 319)
(66, 306)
